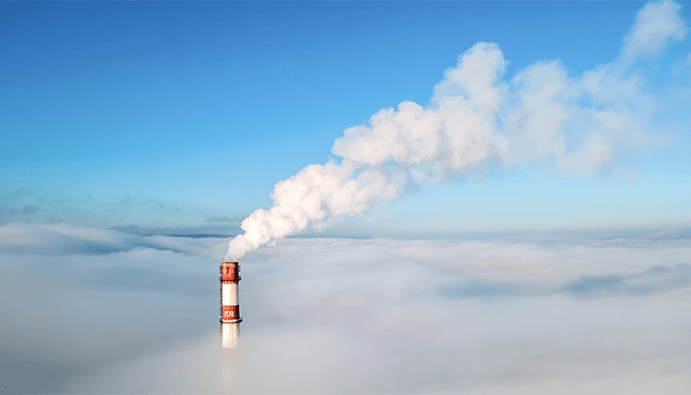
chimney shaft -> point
(230, 306)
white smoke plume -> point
(574, 125)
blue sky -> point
(547, 251)
(184, 116)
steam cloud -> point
(573, 125)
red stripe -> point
(230, 313)
(230, 272)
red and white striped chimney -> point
(230, 306)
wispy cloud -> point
(30, 209)
(17, 193)
(657, 24)
(59, 239)
(138, 216)
(656, 278)
(222, 218)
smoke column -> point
(570, 125)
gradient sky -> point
(183, 116)
(126, 125)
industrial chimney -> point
(230, 307)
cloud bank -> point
(128, 214)
(583, 314)
(476, 120)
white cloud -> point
(657, 24)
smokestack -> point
(230, 306)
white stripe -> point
(230, 294)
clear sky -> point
(183, 116)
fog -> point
(98, 311)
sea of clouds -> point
(88, 310)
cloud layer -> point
(477, 119)
(579, 314)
